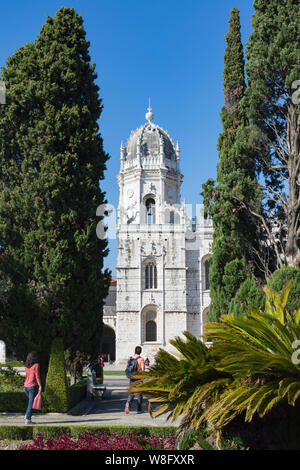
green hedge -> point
(22, 433)
(28, 432)
(13, 402)
(55, 397)
(76, 393)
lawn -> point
(112, 372)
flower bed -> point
(101, 441)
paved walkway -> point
(107, 412)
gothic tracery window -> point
(206, 269)
(151, 276)
(172, 218)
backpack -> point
(131, 366)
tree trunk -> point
(75, 373)
(293, 207)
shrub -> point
(22, 433)
(76, 393)
(248, 295)
(190, 438)
(12, 395)
(26, 432)
(159, 431)
(10, 380)
(51, 432)
(280, 277)
(13, 402)
(55, 397)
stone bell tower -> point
(162, 267)
(151, 270)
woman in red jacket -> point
(32, 384)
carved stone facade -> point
(162, 289)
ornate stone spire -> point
(149, 115)
(177, 150)
(122, 150)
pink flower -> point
(100, 441)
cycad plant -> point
(185, 384)
(248, 370)
(258, 351)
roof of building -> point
(149, 139)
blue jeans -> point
(139, 398)
(31, 392)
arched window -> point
(150, 211)
(151, 331)
(206, 270)
(150, 276)
(149, 324)
(108, 350)
(172, 217)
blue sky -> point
(170, 50)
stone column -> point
(140, 299)
(163, 299)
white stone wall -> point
(2, 352)
(194, 324)
(110, 320)
(127, 337)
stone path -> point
(107, 412)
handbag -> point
(37, 402)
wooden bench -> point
(93, 388)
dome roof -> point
(151, 139)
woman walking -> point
(32, 384)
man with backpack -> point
(135, 364)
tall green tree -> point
(52, 160)
(234, 231)
(273, 97)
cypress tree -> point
(52, 160)
(273, 70)
(248, 295)
(234, 232)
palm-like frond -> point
(248, 369)
(176, 382)
(258, 345)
